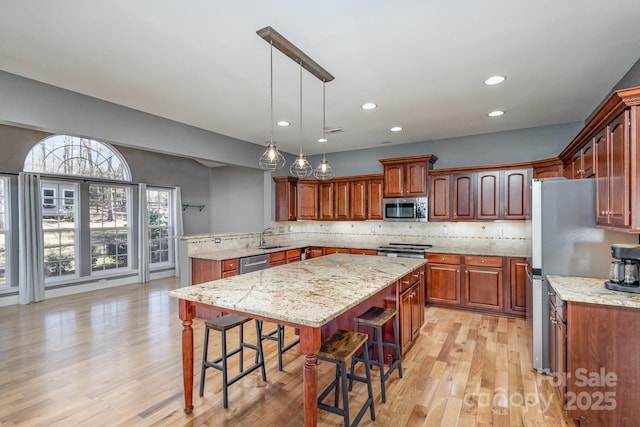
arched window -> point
(72, 155)
(94, 165)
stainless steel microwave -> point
(410, 209)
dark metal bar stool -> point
(375, 318)
(223, 324)
(338, 349)
(279, 338)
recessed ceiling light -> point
(368, 106)
(494, 80)
(283, 123)
(395, 129)
(322, 140)
(496, 113)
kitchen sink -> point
(270, 247)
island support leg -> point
(187, 312)
(310, 345)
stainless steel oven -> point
(410, 209)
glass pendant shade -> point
(271, 159)
(324, 170)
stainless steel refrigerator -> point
(565, 241)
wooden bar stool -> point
(375, 318)
(279, 338)
(339, 349)
(223, 324)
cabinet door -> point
(416, 309)
(483, 287)
(341, 205)
(394, 180)
(358, 197)
(326, 200)
(416, 184)
(405, 320)
(374, 199)
(307, 200)
(517, 286)
(285, 198)
(601, 150)
(463, 196)
(553, 339)
(488, 195)
(576, 166)
(439, 198)
(587, 160)
(443, 283)
(619, 171)
(516, 194)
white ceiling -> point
(423, 62)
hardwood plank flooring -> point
(112, 357)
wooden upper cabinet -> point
(358, 199)
(307, 199)
(488, 195)
(374, 198)
(394, 178)
(619, 164)
(439, 201)
(327, 197)
(285, 198)
(416, 184)
(407, 176)
(342, 200)
(516, 194)
(601, 150)
(463, 192)
(547, 168)
(582, 163)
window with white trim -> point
(4, 230)
(160, 225)
(59, 228)
(109, 227)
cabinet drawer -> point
(229, 273)
(294, 253)
(277, 256)
(443, 258)
(229, 264)
(406, 281)
(483, 261)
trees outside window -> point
(4, 225)
(160, 226)
(59, 228)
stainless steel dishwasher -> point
(253, 263)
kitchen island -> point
(316, 296)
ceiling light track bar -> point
(285, 46)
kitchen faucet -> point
(262, 242)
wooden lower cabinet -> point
(329, 251)
(411, 302)
(443, 279)
(206, 270)
(477, 282)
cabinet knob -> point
(443, 259)
(482, 261)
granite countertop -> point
(310, 293)
(458, 250)
(591, 290)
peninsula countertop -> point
(592, 291)
(309, 293)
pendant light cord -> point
(324, 126)
(301, 108)
(271, 95)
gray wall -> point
(521, 145)
(630, 79)
(237, 199)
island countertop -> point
(592, 291)
(310, 293)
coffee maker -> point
(623, 275)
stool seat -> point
(339, 349)
(342, 345)
(226, 322)
(377, 316)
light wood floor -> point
(112, 357)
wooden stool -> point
(223, 324)
(279, 338)
(338, 349)
(375, 318)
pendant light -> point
(271, 159)
(324, 170)
(301, 166)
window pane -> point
(59, 230)
(108, 223)
(159, 214)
